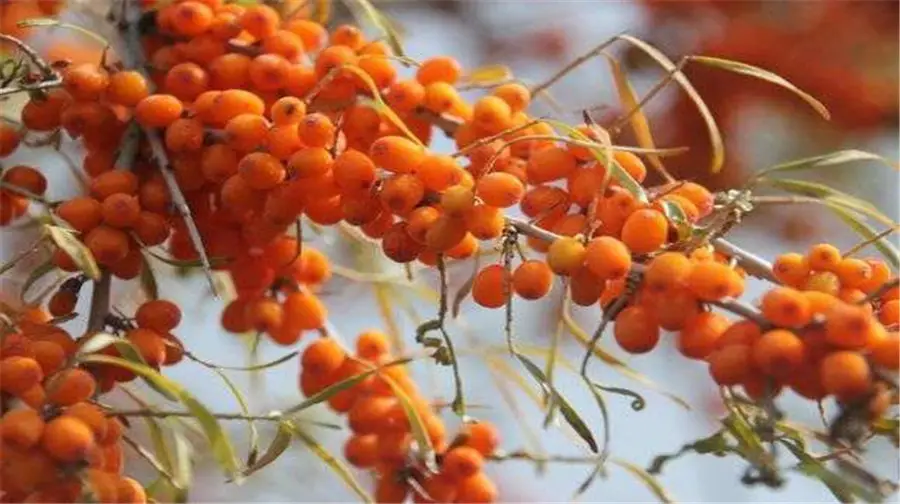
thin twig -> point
(154, 413)
(751, 263)
(572, 66)
(865, 243)
(39, 62)
(532, 457)
(881, 291)
(99, 303)
(133, 47)
(670, 76)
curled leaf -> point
(279, 444)
(66, 240)
(485, 76)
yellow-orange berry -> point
(566, 255)
(532, 279)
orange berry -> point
(405, 95)
(372, 345)
(743, 332)
(550, 163)
(269, 72)
(489, 289)
(18, 374)
(49, 355)
(608, 258)
(848, 326)
(304, 310)
(10, 137)
(121, 210)
(397, 154)
(390, 489)
(457, 201)
(499, 189)
(485, 222)
(566, 255)
(439, 69)
(791, 269)
(284, 43)
(585, 287)
(62, 303)
(361, 450)
(435, 488)
(698, 195)
(260, 20)
(700, 334)
(889, 314)
(191, 18)
(443, 98)
(322, 357)
(632, 164)
(234, 316)
(482, 436)
(492, 114)
(824, 282)
(824, 257)
(636, 330)
(853, 272)
(107, 244)
(261, 171)
(711, 281)
(247, 132)
(287, 110)
(667, 272)
(645, 231)
(67, 439)
(82, 213)
(819, 302)
(85, 81)
(731, 365)
(461, 463)
(477, 489)
(401, 193)
(367, 412)
(159, 315)
(778, 352)
(786, 307)
(316, 130)
(845, 374)
(540, 200)
(158, 110)
(532, 279)
(26, 178)
(265, 315)
(70, 386)
(885, 352)
(22, 427)
(514, 94)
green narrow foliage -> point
(221, 446)
(646, 478)
(66, 240)
(884, 246)
(759, 73)
(823, 161)
(420, 434)
(717, 160)
(382, 23)
(253, 450)
(332, 462)
(280, 443)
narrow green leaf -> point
(22, 255)
(55, 23)
(568, 412)
(242, 403)
(824, 161)
(466, 288)
(716, 444)
(332, 462)
(66, 240)
(676, 216)
(717, 159)
(379, 20)
(329, 391)
(35, 275)
(260, 367)
(629, 100)
(814, 190)
(379, 105)
(887, 249)
(279, 444)
(97, 342)
(420, 434)
(182, 470)
(759, 73)
(840, 486)
(188, 263)
(646, 478)
(221, 446)
(488, 75)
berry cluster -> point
(57, 445)
(382, 440)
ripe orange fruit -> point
(786, 307)
(461, 463)
(323, 357)
(731, 364)
(845, 374)
(778, 352)
(712, 281)
(532, 279)
(566, 255)
(700, 334)
(18, 374)
(791, 269)
(489, 289)
(645, 231)
(67, 439)
(21, 427)
(608, 258)
(849, 326)
(636, 330)
(667, 271)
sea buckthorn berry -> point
(405, 95)
(566, 255)
(853, 272)
(698, 195)
(284, 43)
(848, 326)
(881, 273)
(158, 110)
(372, 345)
(191, 18)
(26, 178)
(287, 110)
(61, 303)
(186, 81)
(361, 450)
(246, 132)
(70, 386)
(608, 258)
(401, 193)
(667, 271)
(889, 314)
(824, 257)
(261, 171)
(22, 427)
(711, 281)
(461, 462)
(457, 201)
(420, 220)
(550, 163)
(443, 98)
(85, 81)
(354, 172)
(265, 315)
(645, 231)
(389, 488)
(184, 135)
(731, 365)
(477, 488)
(348, 35)
(10, 137)
(49, 355)
(149, 343)
(397, 154)
(845, 374)
(824, 282)
(532, 279)
(482, 436)
(885, 352)
(489, 289)
(116, 181)
(631, 164)
(121, 210)
(778, 352)
(500, 190)
(310, 163)
(435, 488)
(107, 244)
(365, 415)
(304, 310)
(743, 332)
(234, 316)
(67, 439)
(260, 21)
(269, 72)
(636, 330)
(439, 69)
(786, 307)
(234, 102)
(398, 245)
(585, 287)
(485, 222)
(791, 269)
(514, 94)
(159, 315)
(322, 357)
(491, 114)
(541, 200)
(700, 334)
(316, 130)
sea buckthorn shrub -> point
(241, 125)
